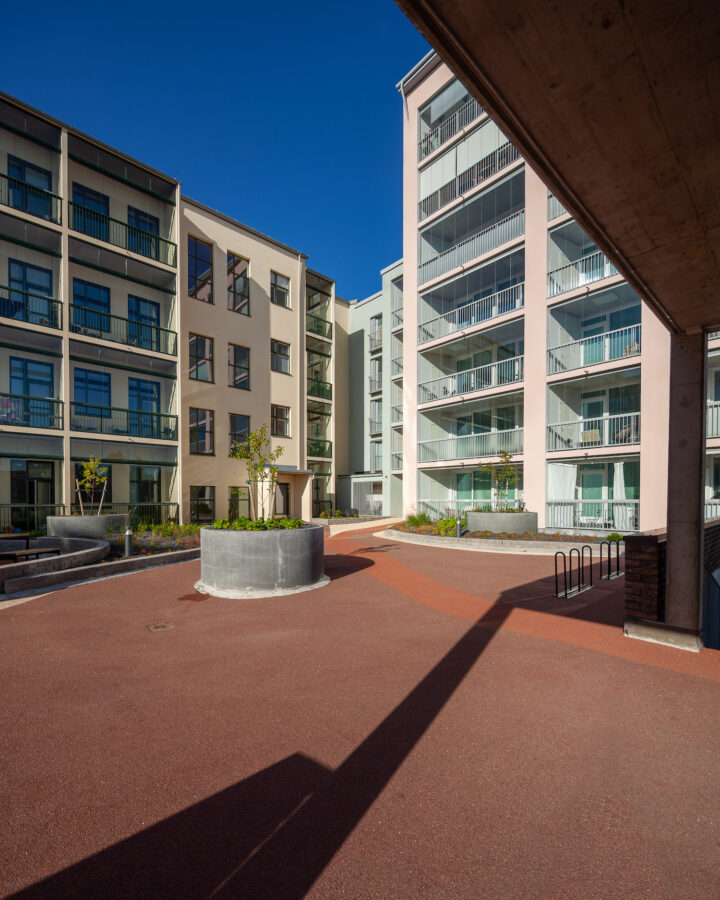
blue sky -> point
(283, 115)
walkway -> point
(432, 724)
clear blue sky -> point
(282, 114)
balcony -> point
(319, 448)
(712, 509)
(396, 366)
(30, 199)
(476, 245)
(396, 415)
(318, 325)
(604, 431)
(396, 462)
(375, 340)
(490, 165)
(30, 412)
(497, 374)
(593, 515)
(320, 389)
(554, 207)
(397, 317)
(127, 422)
(497, 304)
(461, 118)
(120, 234)
(107, 327)
(713, 419)
(375, 426)
(375, 383)
(24, 306)
(592, 351)
(471, 446)
(586, 270)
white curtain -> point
(622, 514)
(562, 479)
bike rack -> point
(610, 573)
(567, 564)
(561, 553)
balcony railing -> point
(592, 351)
(396, 366)
(30, 199)
(593, 267)
(483, 242)
(554, 207)
(27, 516)
(462, 117)
(375, 339)
(712, 509)
(714, 335)
(397, 317)
(30, 412)
(396, 462)
(396, 415)
(470, 446)
(375, 383)
(120, 234)
(593, 515)
(376, 464)
(375, 426)
(24, 306)
(497, 374)
(712, 428)
(449, 507)
(101, 325)
(150, 513)
(474, 313)
(320, 389)
(605, 431)
(319, 448)
(467, 180)
(318, 325)
(130, 422)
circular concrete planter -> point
(247, 564)
(498, 522)
(85, 526)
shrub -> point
(245, 524)
(447, 527)
(614, 537)
(416, 521)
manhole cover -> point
(161, 626)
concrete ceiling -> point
(616, 105)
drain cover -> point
(161, 626)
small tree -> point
(506, 477)
(93, 478)
(260, 460)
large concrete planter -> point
(85, 526)
(239, 564)
(498, 522)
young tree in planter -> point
(260, 460)
(506, 477)
(93, 478)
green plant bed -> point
(245, 524)
(423, 524)
(338, 514)
(536, 536)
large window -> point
(238, 284)
(280, 357)
(238, 367)
(91, 308)
(91, 392)
(279, 289)
(144, 484)
(144, 408)
(144, 316)
(239, 428)
(202, 503)
(90, 211)
(200, 270)
(141, 228)
(238, 502)
(202, 431)
(31, 383)
(201, 358)
(28, 285)
(26, 183)
(280, 421)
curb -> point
(478, 545)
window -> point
(238, 284)
(239, 428)
(26, 184)
(238, 502)
(141, 228)
(144, 408)
(200, 270)
(28, 285)
(91, 308)
(238, 367)
(202, 431)
(280, 357)
(280, 421)
(31, 383)
(104, 469)
(201, 358)
(90, 211)
(92, 392)
(144, 484)
(202, 503)
(144, 316)
(279, 289)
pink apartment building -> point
(520, 335)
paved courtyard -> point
(432, 724)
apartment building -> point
(88, 322)
(521, 336)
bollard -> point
(128, 540)
(458, 527)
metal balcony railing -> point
(24, 306)
(497, 304)
(449, 507)
(130, 422)
(376, 464)
(396, 462)
(31, 412)
(712, 509)
(96, 324)
(593, 515)
(592, 351)
(476, 245)
(150, 513)
(497, 374)
(397, 317)
(30, 199)
(712, 428)
(120, 234)
(471, 446)
(396, 366)
(27, 516)
(375, 339)
(319, 448)
(375, 383)
(605, 431)
(396, 414)
(593, 267)
(318, 325)
(375, 426)
(714, 335)
(462, 117)
(554, 207)
(488, 166)
(320, 389)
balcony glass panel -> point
(447, 114)
(574, 260)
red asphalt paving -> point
(433, 724)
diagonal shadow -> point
(271, 835)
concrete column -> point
(686, 469)
(654, 410)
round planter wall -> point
(261, 563)
(84, 526)
(498, 522)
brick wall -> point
(645, 576)
(712, 545)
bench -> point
(16, 555)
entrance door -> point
(282, 499)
